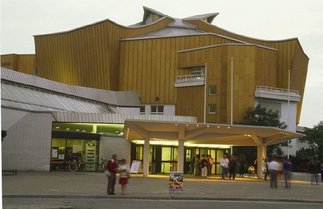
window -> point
(197, 71)
(212, 89)
(212, 108)
(142, 110)
(156, 110)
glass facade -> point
(74, 154)
(163, 158)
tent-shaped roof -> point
(203, 133)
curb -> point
(170, 197)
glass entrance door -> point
(168, 159)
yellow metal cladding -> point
(87, 56)
(149, 66)
(290, 57)
(110, 56)
(252, 66)
(24, 63)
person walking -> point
(273, 167)
(224, 163)
(287, 170)
(111, 167)
(124, 175)
(314, 168)
(232, 167)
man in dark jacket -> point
(112, 166)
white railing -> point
(274, 90)
(190, 77)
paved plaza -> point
(93, 185)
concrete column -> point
(261, 154)
(180, 160)
(145, 166)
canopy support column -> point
(180, 160)
(145, 166)
(261, 155)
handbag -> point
(107, 173)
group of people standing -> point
(112, 167)
(202, 166)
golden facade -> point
(150, 56)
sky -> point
(262, 19)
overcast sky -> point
(269, 20)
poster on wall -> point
(54, 152)
(176, 182)
(61, 156)
(135, 165)
(77, 148)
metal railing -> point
(190, 77)
(275, 90)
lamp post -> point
(231, 107)
(205, 91)
(288, 112)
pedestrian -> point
(123, 175)
(273, 167)
(111, 167)
(192, 164)
(265, 170)
(232, 167)
(197, 165)
(314, 168)
(204, 166)
(224, 163)
(287, 170)
(210, 164)
(242, 168)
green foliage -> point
(314, 137)
(260, 116)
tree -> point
(260, 116)
(314, 137)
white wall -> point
(114, 145)
(27, 144)
(130, 110)
(168, 109)
(287, 116)
(9, 117)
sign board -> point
(135, 165)
(176, 182)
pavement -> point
(93, 185)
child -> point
(124, 175)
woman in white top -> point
(124, 175)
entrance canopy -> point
(205, 133)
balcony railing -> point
(277, 93)
(190, 80)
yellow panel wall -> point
(87, 56)
(24, 63)
(252, 66)
(149, 66)
(289, 52)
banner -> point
(176, 182)
(135, 166)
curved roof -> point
(121, 98)
(204, 17)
